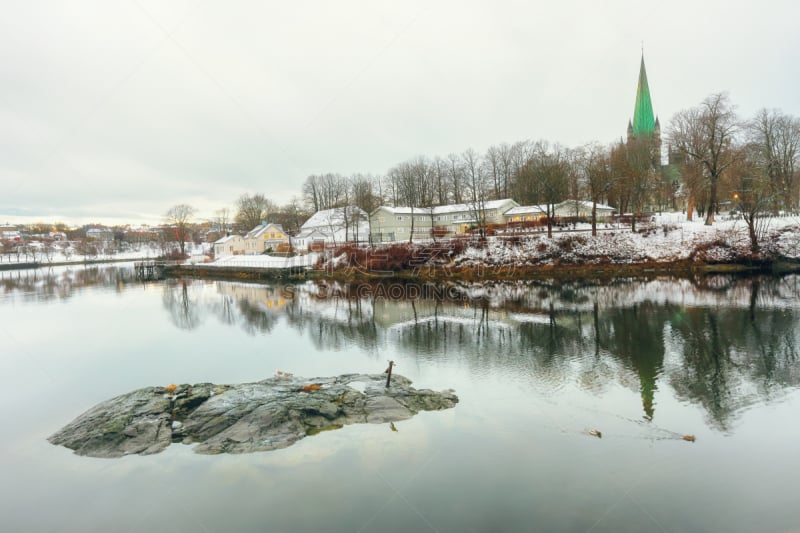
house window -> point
(399, 219)
(381, 219)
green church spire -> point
(643, 121)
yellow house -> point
(264, 237)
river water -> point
(537, 367)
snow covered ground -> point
(266, 261)
(668, 238)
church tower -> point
(645, 125)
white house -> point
(101, 234)
(582, 209)
(525, 213)
(333, 226)
(389, 224)
(309, 240)
(229, 245)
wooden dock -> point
(150, 270)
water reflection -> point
(183, 312)
(724, 343)
(60, 283)
(720, 342)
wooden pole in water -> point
(388, 372)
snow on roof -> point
(333, 217)
(525, 209)
(261, 228)
(306, 233)
(402, 210)
(446, 209)
(265, 261)
(226, 238)
(490, 204)
(587, 204)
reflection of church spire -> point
(639, 341)
(648, 388)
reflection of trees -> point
(739, 348)
(182, 310)
(254, 318)
(60, 283)
(335, 323)
(722, 343)
(734, 357)
(224, 310)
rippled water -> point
(537, 367)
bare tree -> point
(632, 167)
(518, 155)
(753, 192)
(599, 178)
(705, 135)
(311, 193)
(494, 168)
(775, 141)
(543, 179)
(222, 218)
(391, 191)
(252, 209)
(363, 192)
(455, 174)
(439, 169)
(179, 216)
(476, 186)
(291, 216)
(325, 191)
(413, 184)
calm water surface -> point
(536, 366)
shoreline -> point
(684, 269)
(39, 264)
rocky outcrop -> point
(267, 415)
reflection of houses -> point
(229, 245)
(390, 224)
(266, 237)
(266, 298)
(332, 227)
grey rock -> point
(244, 418)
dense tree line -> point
(714, 156)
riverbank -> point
(682, 269)
(80, 262)
(668, 248)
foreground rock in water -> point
(270, 414)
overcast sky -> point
(115, 110)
